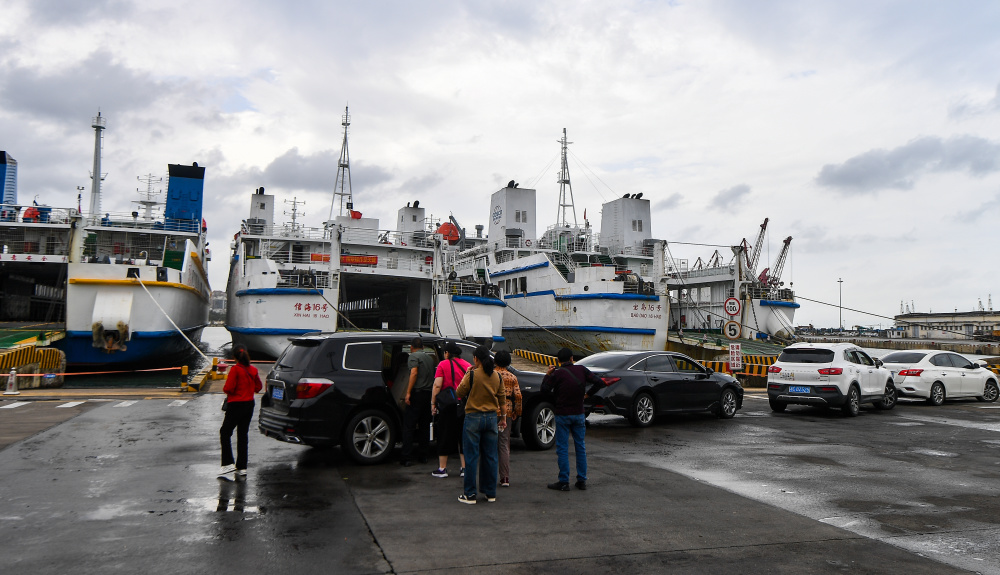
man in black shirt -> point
(568, 386)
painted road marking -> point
(71, 404)
(988, 406)
(954, 422)
(124, 403)
(177, 403)
(15, 404)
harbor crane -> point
(774, 278)
(753, 256)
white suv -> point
(939, 375)
(829, 375)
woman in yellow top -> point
(486, 403)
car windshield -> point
(297, 353)
(806, 355)
(904, 357)
(605, 360)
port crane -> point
(753, 255)
(773, 278)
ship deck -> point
(15, 333)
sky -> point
(868, 131)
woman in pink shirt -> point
(449, 420)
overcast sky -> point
(868, 131)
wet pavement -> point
(129, 485)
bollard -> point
(12, 384)
(184, 376)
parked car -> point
(829, 375)
(347, 389)
(939, 375)
(641, 385)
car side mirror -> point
(709, 370)
(878, 362)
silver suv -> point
(829, 375)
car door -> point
(853, 369)
(943, 371)
(666, 383)
(699, 390)
(870, 376)
(970, 380)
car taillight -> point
(309, 387)
(826, 389)
(774, 386)
(913, 372)
(610, 380)
(831, 371)
(774, 369)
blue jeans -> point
(565, 425)
(480, 439)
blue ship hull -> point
(146, 349)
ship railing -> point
(303, 279)
(32, 214)
(416, 239)
(286, 230)
(133, 220)
(26, 240)
(280, 252)
(467, 288)
(109, 246)
(777, 294)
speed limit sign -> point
(733, 306)
(732, 329)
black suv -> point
(347, 389)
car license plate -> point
(277, 393)
(798, 389)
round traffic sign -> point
(731, 329)
(733, 306)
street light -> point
(840, 288)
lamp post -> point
(840, 288)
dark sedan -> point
(643, 384)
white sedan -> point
(939, 375)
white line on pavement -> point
(124, 403)
(177, 403)
(15, 404)
(70, 404)
(954, 422)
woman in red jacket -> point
(241, 384)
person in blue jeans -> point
(486, 405)
(567, 384)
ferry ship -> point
(287, 280)
(569, 287)
(129, 288)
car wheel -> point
(937, 394)
(852, 406)
(369, 437)
(990, 392)
(727, 404)
(777, 406)
(888, 400)
(538, 429)
(642, 411)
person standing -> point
(242, 383)
(418, 402)
(486, 403)
(567, 384)
(513, 402)
(449, 419)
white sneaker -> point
(227, 470)
(241, 472)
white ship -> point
(699, 292)
(288, 280)
(129, 288)
(566, 288)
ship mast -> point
(98, 124)
(148, 200)
(295, 211)
(564, 185)
(342, 187)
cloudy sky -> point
(868, 131)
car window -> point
(941, 360)
(904, 357)
(659, 363)
(850, 356)
(297, 354)
(806, 355)
(639, 365)
(363, 356)
(959, 361)
(687, 365)
(607, 360)
(863, 358)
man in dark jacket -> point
(568, 386)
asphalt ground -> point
(129, 485)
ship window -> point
(414, 217)
(517, 216)
(524, 284)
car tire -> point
(642, 411)
(538, 428)
(727, 404)
(990, 392)
(369, 437)
(777, 406)
(889, 398)
(852, 403)
(937, 394)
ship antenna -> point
(148, 196)
(295, 211)
(565, 184)
(342, 187)
(98, 124)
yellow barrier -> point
(537, 357)
(759, 359)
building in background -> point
(219, 301)
(8, 178)
(980, 324)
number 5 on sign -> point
(732, 329)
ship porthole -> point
(574, 309)
(586, 288)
